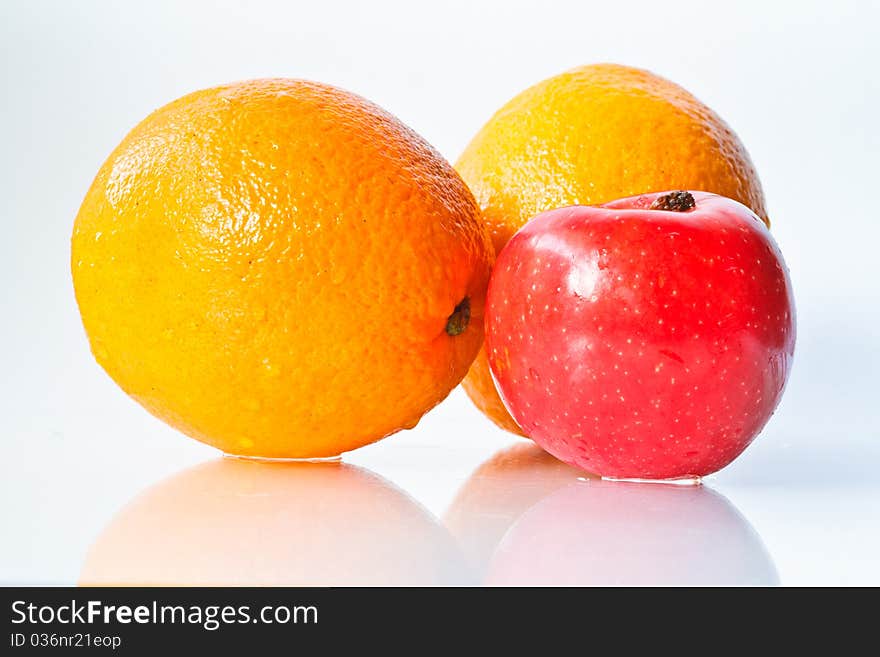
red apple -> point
(650, 337)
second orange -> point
(588, 136)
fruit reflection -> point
(531, 522)
(234, 522)
(499, 492)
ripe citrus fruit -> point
(592, 135)
(280, 268)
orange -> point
(280, 268)
(592, 135)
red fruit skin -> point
(641, 343)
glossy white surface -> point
(146, 505)
(93, 487)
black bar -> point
(297, 618)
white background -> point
(796, 80)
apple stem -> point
(458, 320)
(680, 201)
